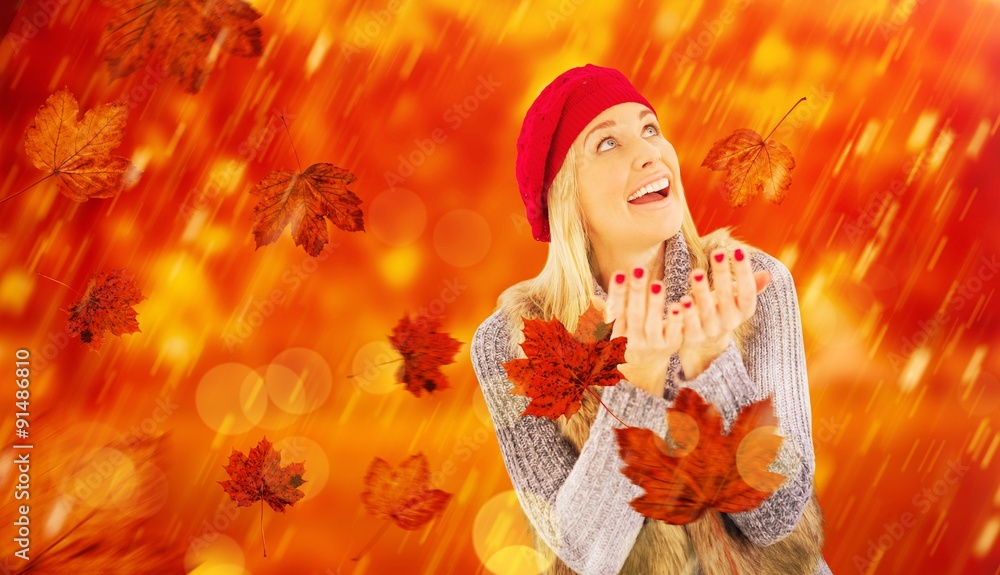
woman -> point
(601, 183)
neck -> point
(607, 260)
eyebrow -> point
(609, 123)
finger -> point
(616, 302)
(654, 312)
(746, 292)
(692, 321)
(673, 330)
(705, 302)
(763, 279)
(729, 314)
(635, 307)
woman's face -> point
(618, 154)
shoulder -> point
(491, 335)
(778, 302)
(781, 276)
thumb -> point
(763, 279)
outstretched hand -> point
(697, 327)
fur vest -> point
(695, 549)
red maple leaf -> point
(700, 468)
(260, 477)
(560, 366)
(424, 351)
(305, 201)
(402, 495)
(183, 33)
(106, 306)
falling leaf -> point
(80, 493)
(78, 153)
(752, 165)
(424, 351)
(304, 201)
(559, 367)
(182, 33)
(260, 477)
(700, 468)
(106, 306)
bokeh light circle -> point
(500, 534)
(103, 478)
(374, 368)
(230, 398)
(152, 494)
(683, 434)
(751, 460)
(296, 449)
(298, 380)
(462, 238)
(214, 554)
(396, 217)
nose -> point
(646, 154)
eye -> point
(650, 126)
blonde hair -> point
(563, 287)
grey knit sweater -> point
(579, 503)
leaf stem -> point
(383, 363)
(802, 99)
(262, 527)
(26, 189)
(293, 143)
(60, 283)
(722, 540)
(598, 398)
(372, 542)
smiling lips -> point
(653, 191)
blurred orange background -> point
(889, 229)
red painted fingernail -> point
(619, 278)
(698, 276)
(687, 304)
(656, 288)
(719, 257)
(638, 273)
(676, 311)
(738, 254)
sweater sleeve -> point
(775, 366)
(577, 502)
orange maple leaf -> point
(261, 477)
(304, 201)
(559, 366)
(700, 468)
(184, 34)
(106, 306)
(424, 351)
(78, 153)
(753, 165)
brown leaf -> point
(305, 201)
(424, 351)
(182, 32)
(79, 153)
(560, 366)
(402, 495)
(699, 468)
(106, 306)
(752, 166)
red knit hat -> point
(554, 120)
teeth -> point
(653, 186)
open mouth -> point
(651, 193)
